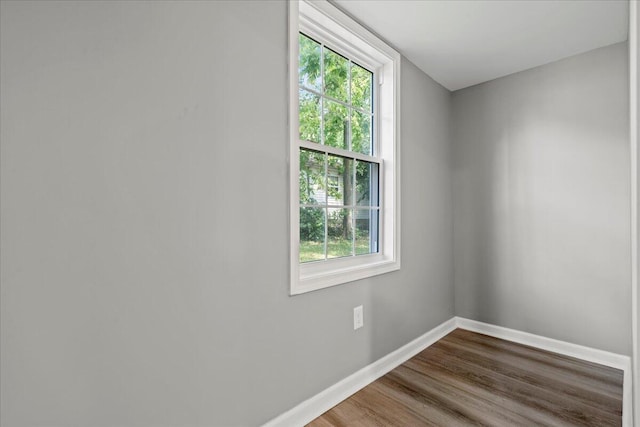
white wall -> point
(541, 200)
(144, 222)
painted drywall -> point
(541, 201)
(144, 232)
(634, 107)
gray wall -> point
(144, 232)
(541, 200)
(634, 67)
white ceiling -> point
(466, 42)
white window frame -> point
(324, 22)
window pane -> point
(309, 63)
(336, 75)
(360, 132)
(367, 183)
(340, 233)
(312, 234)
(312, 178)
(366, 231)
(336, 125)
(340, 183)
(361, 85)
(309, 116)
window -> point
(344, 149)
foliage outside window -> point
(343, 161)
(338, 194)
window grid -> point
(336, 100)
(346, 154)
(353, 207)
(349, 104)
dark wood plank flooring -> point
(473, 379)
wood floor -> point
(472, 379)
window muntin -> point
(335, 98)
(336, 110)
(339, 206)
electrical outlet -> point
(358, 317)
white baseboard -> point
(315, 406)
(562, 347)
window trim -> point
(325, 22)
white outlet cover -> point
(358, 317)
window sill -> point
(320, 275)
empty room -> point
(325, 213)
